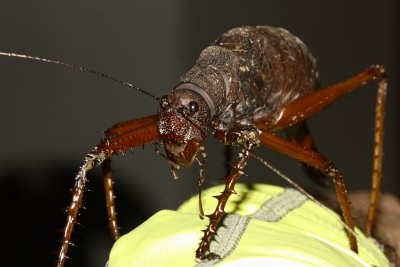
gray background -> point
(51, 116)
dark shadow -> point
(33, 200)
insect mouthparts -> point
(175, 147)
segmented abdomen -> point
(276, 67)
(256, 68)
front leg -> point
(249, 139)
(118, 138)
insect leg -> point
(306, 106)
(120, 137)
(126, 126)
(202, 252)
(319, 162)
(377, 156)
(91, 160)
(109, 133)
(300, 134)
(110, 196)
(228, 159)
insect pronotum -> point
(248, 84)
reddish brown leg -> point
(301, 135)
(377, 156)
(127, 126)
(202, 252)
(319, 162)
(120, 137)
(110, 203)
(308, 105)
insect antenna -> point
(299, 188)
(81, 68)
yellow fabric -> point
(307, 236)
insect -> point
(248, 84)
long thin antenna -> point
(81, 68)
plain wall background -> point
(51, 116)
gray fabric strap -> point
(234, 226)
(277, 207)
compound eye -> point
(193, 107)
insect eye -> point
(193, 107)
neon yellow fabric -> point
(306, 236)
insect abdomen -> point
(254, 67)
(276, 67)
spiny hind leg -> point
(308, 105)
(321, 163)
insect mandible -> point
(248, 84)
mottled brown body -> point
(249, 72)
